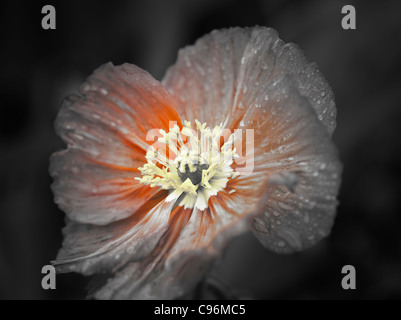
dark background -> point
(39, 67)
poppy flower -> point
(159, 176)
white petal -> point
(91, 249)
(218, 77)
(296, 152)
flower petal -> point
(294, 150)
(124, 101)
(187, 250)
(90, 191)
(217, 78)
(105, 128)
(90, 249)
(139, 279)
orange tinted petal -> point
(189, 246)
(106, 126)
(92, 192)
(146, 279)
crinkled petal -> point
(91, 191)
(293, 148)
(115, 100)
(90, 249)
(217, 78)
(105, 127)
(188, 249)
(138, 279)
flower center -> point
(196, 176)
(192, 171)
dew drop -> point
(187, 62)
(124, 130)
(281, 244)
(290, 236)
(79, 137)
(75, 170)
(285, 206)
(264, 65)
(306, 217)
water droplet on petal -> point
(281, 244)
(75, 170)
(264, 65)
(290, 236)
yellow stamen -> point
(197, 169)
